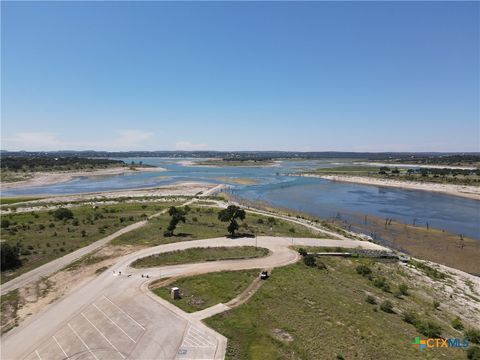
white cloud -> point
(187, 145)
(130, 139)
(125, 139)
(32, 141)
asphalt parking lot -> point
(103, 330)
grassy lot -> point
(306, 313)
(457, 177)
(194, 255)
(44, 238)
(203, 291)
(202, 223)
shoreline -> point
(470, 192)
(50, 178)
(174, 189)
(420, 166)
(221, 164)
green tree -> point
(177, 214)
(231, 214)
(10, 257)
(63, 214)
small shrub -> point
(320, 265)
(309, 260)
(410, 317)
(473, 335)
(302, 251)
(431, 272)
(194, 219)
(429, 329)
(5, 223)
(370, 299)
(457, 323)
(435, 304)
(292, 230)
(381, 283)
(403, 289)
(363, 270)
(272, 220)
(386, 306)
(259, 221)
(473, 353)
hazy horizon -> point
(230, 76)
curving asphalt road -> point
(116, 317)
(58, 264)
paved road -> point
(60, 263)
(116, 317)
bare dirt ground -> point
(459, 293)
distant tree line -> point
(456, 159)
(39, 163)
(390, 156)
(431, 171)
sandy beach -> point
(471, 192)
(48, 178)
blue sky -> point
(378, 76)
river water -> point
(317, 197)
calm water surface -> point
(314, 196)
